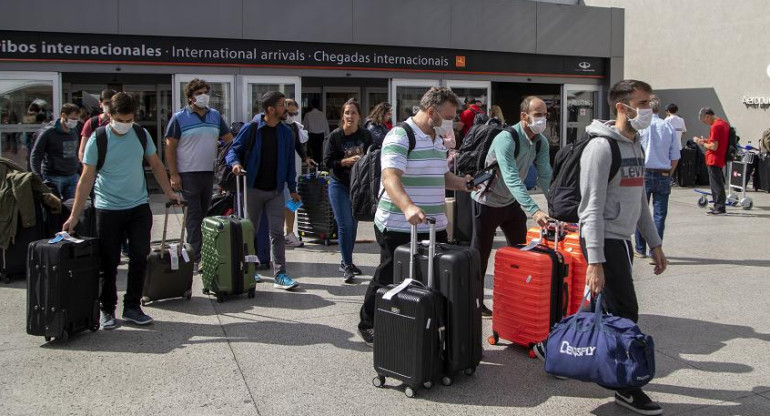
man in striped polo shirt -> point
(415, 183)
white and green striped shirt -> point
(423, 178)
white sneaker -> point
(293, 241)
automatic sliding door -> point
(253, 87)
(405, 96)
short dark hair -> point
(69, 108)
(621, 92)
(527, 102)
(437, 96)
(195, 85)
(122, 103)
(106, 95)
(672, 108)
(352, 102)
(705, 111)
(270, 99)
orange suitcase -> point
(569, 242)
(531, 293)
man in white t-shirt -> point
(317, 126)
(676, 122)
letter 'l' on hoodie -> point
(614, 209)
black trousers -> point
(136, 223)
(511, 219)
(196, 190)
(717, 182)
(315, 144)
(383, 276)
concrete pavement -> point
(298, 353)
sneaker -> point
(293, 241)
(367, 335)
(714, 212)
(640, 254)
(107, 321)
(356, 270)
(283, 281)
(486, 312)
(638, 402)
(349, 274)
(539, 350)
(257, 278)
(135, 315)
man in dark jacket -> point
(268, 163)
(55, 153)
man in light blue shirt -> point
(661, 155)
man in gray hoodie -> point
(611, 210)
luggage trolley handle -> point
(241, 204)
(170, 204)
(431, 252)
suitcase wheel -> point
(410, 392)
(47, 339)
(252, 292)
(447, 381)
(428, 385)
(703, 201)
(205, 291)
(470, 371)
(378, 381)
(327, 242)
(94, 327)
(493, 339)
(188, 295)
(144, 301)
(220, 298)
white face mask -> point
(643, 118)
(446, 129)
(537, 125)
(120, 128)
(71, 124)
(290, 119)
(202, 101)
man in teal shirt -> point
(506, 203)
(121, 205)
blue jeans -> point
(347, 227)
(658, 187)
(65, 185)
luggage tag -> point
(63, 235)
(185, 255)
(173, 252)
(251, 258)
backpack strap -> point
(615, 166)
(409, 135)
(101, 143)
(94, 121)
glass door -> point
(222, 97)
(253, 87)
(405, 95)
(480, 90)
(334, 98)
(580, 106)
(374, 96)
(28, 101)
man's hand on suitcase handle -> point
(541, 218)
(176, 202)
(70, 224)
(415, 215)
(238, 169)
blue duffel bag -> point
(602, 349)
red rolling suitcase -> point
(531, 293)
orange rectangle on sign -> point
(460, 61)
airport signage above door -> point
(21, 46)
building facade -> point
(318, 51)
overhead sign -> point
(158, 50)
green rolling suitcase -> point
(228, 252)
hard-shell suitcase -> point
(170, 266)
(685, 170)
(62, 287)
(457, 276)
(228, 251)
(531, 293)
(13, 260)
(569, 244)
(764, 172)
(409, 330)
(463, 218)
(315, 218)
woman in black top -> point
(344, 147)
(377, 122)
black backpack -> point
(732, 144)
(101, 143)
(473, 152)
(564, 194)
(365, 178)
(223, 174)
(479, 117)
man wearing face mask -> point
(54, 155)
(191, 151)
(611, 209)
(95, 122)
(507, 203)
(415, 181)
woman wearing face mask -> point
(54, 155)
(342, 150)
(377, 122)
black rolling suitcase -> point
(685, 170)
(62, 288)
(764, 172)
(457, 273)
(409, 331)
(166, 277)
(315, 218)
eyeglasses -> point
(292, 114)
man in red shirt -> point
(467, 116)
(95, 122)
(716, 152)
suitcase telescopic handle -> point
(170, 204)
(241, 206)
(431, 252)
